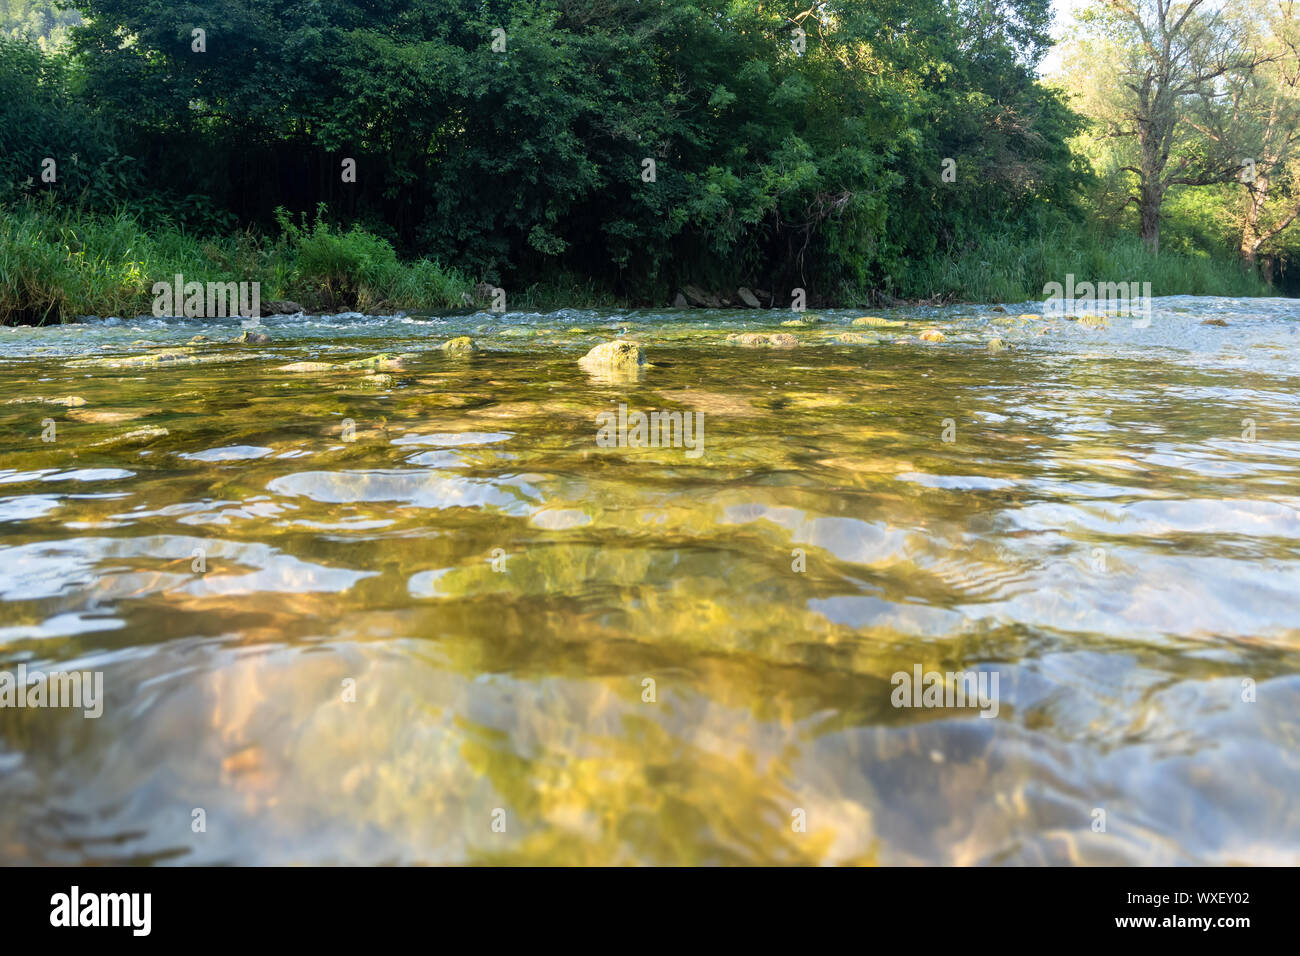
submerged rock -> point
(134, 437)
(380, 362)
(782, 340)
(618, 355)
(182, 356)
(249, 337)
(996, 345)
(1090, 321)
(309, 367)
(856, 338)
(461, 344)
(375, 380)
(69, 401)
(802, 322)
(198, 339)
(1218, 322)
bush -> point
(56, 265)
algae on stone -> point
(614, 355)
(781, 340)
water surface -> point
(361, 618)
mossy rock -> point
(381, 362)
(781, 340)
(249, 337)
(932, 335)
(996, 345)
(855, 338)
(876, 321)
(181, 356)
(1090, 321)
(614, 355)
(1219, 322)
(460, 345)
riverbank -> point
(56, 266)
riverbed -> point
(356, 598)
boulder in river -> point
(281, 307)
(747, 297)
(932, 335)
(460, 345)
(618, 355)
(384, 361)
(249, 337)
(699, 298)
(876, 321)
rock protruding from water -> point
(460, 345)
(249, 337)
(281, 307)
(617, 356)
(701, 299)
(877, 322)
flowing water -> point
(423, 616)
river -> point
(421, 615)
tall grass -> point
(1003, 267)
(56, 265)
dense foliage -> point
(792, 147)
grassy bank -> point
(55, 266)
(1014, 268)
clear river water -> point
(414, 612)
